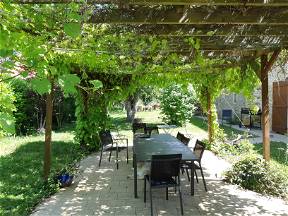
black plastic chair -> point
(181, 137)
(164, 173)
(139, 128)
(198, 151)
(107, 144)
(152, 130)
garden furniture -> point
(160, 144)
(198, 151)
(164, 173)
(107, 144)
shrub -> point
(177, 104)
(254, 173)
(225, 149)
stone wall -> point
(235, 101)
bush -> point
(254, 173)
(225, 149)
(177, 104)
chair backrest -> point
(105, 137)
(199, 149)
(185, 140)
(152, 130)
(179, 136)
(165, 166)
(139, 127)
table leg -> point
(135, 175)
(192, 178)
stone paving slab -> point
(108, 191)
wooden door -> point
(280, 107)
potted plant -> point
(65, 177)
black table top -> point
(159, 144)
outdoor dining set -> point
(167, 157)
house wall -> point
(235, 101)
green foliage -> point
(177, 104)
(72, 29)
(254, 173)
(7, 107)
(22, 186)
(31, 107)
(68, 82)
(41, 86)
(228, 150)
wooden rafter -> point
(212, 30)
(193, 15)
(254, 3)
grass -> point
(21, 166)
(202, 123)
(279, 154)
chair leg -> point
(110, 152)
(180, 196)
(203, 179)
(196, 176)
(144, 189)
(117, 151)
(100, 156)
(127, 151)
(151, 203)
(166, 193)
(187, 172)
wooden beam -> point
(265, 67)
(212, 30)
(192, 15)
(255, 3)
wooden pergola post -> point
(48, 132)
(209, 116)
(265, 68)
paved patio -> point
(107, 191)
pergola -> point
(226, 28)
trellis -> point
(250, 28)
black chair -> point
(181, 137)
(198, 151)
(139, 128)
(152, 130)
(185, 140)
(107, 144)
(164, 173)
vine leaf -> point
(97, 84)
(41, 86)
(68, 82)
(7, 123)
(72, 29)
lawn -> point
(21, 165)
(279, 154)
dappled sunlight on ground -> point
(108, 191)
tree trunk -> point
(130, 107)
(48, 132)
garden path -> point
(258, 135)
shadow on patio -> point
(107, 191)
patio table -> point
(159, 144)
